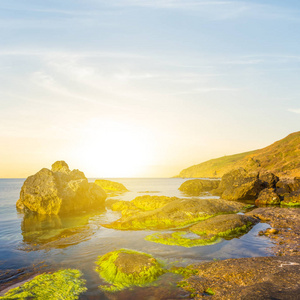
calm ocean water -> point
(36, 244)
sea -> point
(31, 245)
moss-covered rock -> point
(59, 191)
(268, 197)
(223, 225)
(207, 232)
(197, 186)
(176, 214)
(182, 238)
(124, 268)
(111, 186)
(139, 204)
(64, 284)
(292, 199)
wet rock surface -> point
(139, 204)
(59, 191)
(178, 213)
(223, 225)
(286, 222)
(247, 278)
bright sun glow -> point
(114, 149)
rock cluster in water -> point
(265, 188)
(59, 191)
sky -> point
(144, 88)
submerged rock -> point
(198, 186)
(207, 232)
(111, 186)
(268, 197)
(183, 239)
(64, 284)
(176, 214)
(240, 185)
(125, 268)
(59, 191)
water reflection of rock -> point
(53, 231)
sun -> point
(114, 149)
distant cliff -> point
(282, 158)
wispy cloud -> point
(294, 110)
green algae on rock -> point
(292, 199)
(197, 186)
(125, 268)
(59, 191)
(64, 284)
(176, 214)
(140, 203)
(224, 225)
(111, 186)
(182, 238)
(209, 231)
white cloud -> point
(294, 110)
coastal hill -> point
(281, 158)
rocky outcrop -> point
(59, 191)
(268, 197)
(124, 268)
(197, 186)
(111, 186)
(239, 185)
(176, 214)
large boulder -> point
(268, 179)
(59, 191)
(176, 214)
(268, 197)
(197, 186)
(239, 185)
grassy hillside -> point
(281, 158)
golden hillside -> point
(281, 158)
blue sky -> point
(158, 85)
